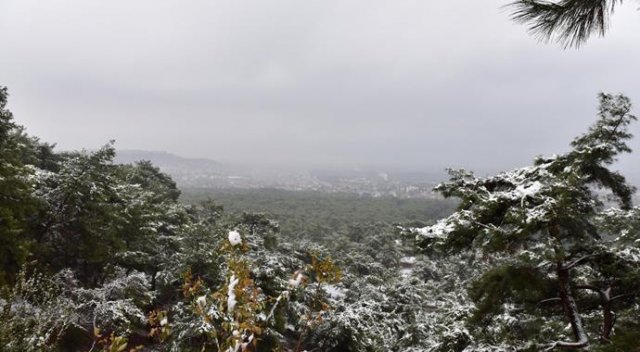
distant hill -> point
(199, 172)
(169, 162)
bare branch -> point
(549, 300)
(584, 342)
(574, 263)
(622, 296)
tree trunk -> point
(608, 319)
(566, 297)
(608, 316)
(570, 310)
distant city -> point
(372, 182)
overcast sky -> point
(418, 83)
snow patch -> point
(235, 238)
(231, 300)
(297, 281)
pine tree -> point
(83, 215)
(537, 227)
(16, 201)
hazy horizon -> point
(411, 84)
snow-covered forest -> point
(98, 256)
(102, 255)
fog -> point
(411, 84)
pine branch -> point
(549, 300)
(569, 22)
(614, 298)
(576, 262)
(584, 342)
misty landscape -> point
(286, 175)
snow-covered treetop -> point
(513, 207)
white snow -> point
(297, 281)
(334, 292)
(528, 190)
(406, 272)
(231, 300)
(235, 238)
(408, 260)
(439, 230)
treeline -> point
(314, 215)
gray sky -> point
(408, 82)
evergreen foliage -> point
(570, 22)
(17, 203)
(100, 256)
(551, 262)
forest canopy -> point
(102, 256)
